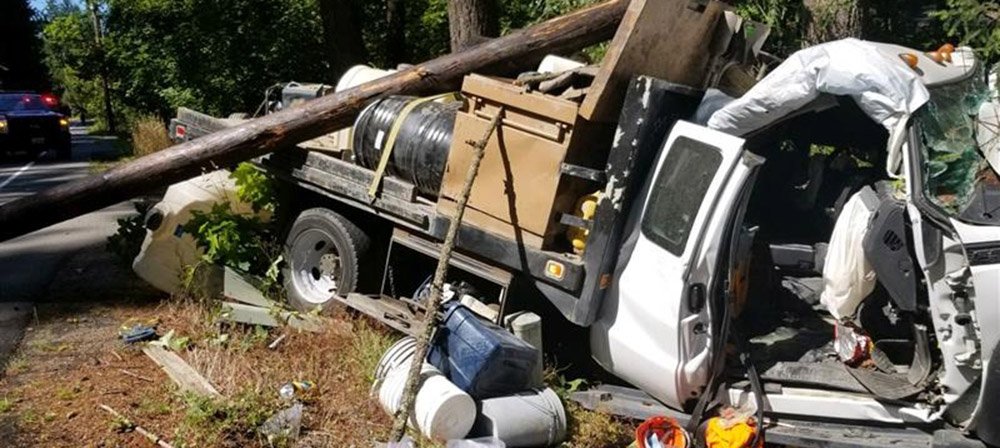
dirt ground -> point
(72, 360)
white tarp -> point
(848, 277)
(882, 84)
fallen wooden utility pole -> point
(518, 50)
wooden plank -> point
(666, 39)
(268, 317)
(389, 311)
(185, 376)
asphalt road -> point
(28, 265)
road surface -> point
(29, 264)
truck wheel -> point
(322, 254)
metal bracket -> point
(584, 173)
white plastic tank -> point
(441, 410)
(167, 249)
(355, 76)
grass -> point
(6, 405)
(148, 136)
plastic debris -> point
(138, 333)
(732, 429)
(661, 432)
(405, 442)
(285, 426)
(290, 390)
(851, 345)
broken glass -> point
(953, 167)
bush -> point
(149, 135)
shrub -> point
(149, 135)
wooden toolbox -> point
(521, 191)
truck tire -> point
(322, 256)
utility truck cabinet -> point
(523, 189)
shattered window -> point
(954, 169)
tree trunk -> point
(471, 21)
(504, 56)
(834, 19)
(109, 112)
(395, 17)
(344, 42)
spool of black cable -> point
(420, 152)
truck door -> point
(654, 327)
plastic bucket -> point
(441, 411)
(523, 420)
(395, 356)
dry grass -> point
(149, 135)
(72, 360)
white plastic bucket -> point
(524, 420)
(395, 356)
(442, 411)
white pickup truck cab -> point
(724, 256)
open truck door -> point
(654, 328)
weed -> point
(17, 364)
(29, 417)
(127, 241)
(6, 404)
(66, 394)
(210, 422)
(149, 135)
(149, 406)
(368, 346)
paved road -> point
(29, 264)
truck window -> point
(678, 193)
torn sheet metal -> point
(885, 88)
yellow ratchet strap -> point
(397, 124)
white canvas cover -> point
(848, 277)
(885, 88)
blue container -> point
(481, 358)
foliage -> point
(20, 48)
(126, 243)
(214, 422)
(975, 23)
(244, 241)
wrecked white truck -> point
(824, 250)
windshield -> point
(956, 175)
(21, 102)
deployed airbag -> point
(848, 277)
(883, 86)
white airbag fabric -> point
(848, 277)
(883, 86)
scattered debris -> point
(269, 317)
(188, 379)
(136, 375)
(235, 286)
(285, 426)
(274, 345)
(139, 429)
(289, 390)
(661, 432)
(138, 333)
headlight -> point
(3, 125)
(64, 123)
